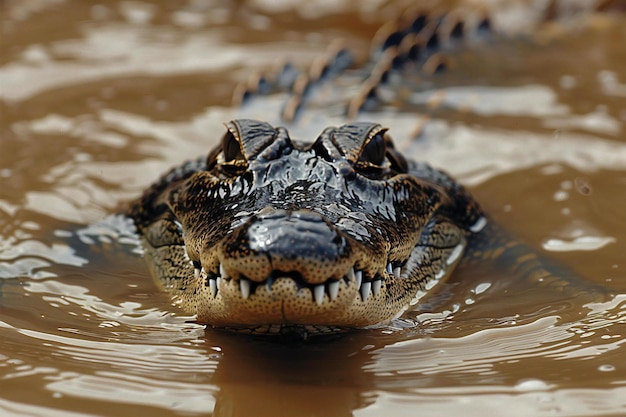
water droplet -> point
(531, 385)
(480, 288)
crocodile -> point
(271, 234)
(341, 232)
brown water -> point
(98, 99)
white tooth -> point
(389, 268)
(365, 290)
(358, 276)
(376, 286)
(318, 293)
(213, 286)
(396, 271)
(196, 272)
(333, 290)
(350, 275)
(218, 282)
(223, 271)
(244, 286)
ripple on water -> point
(161, 362)
(494, 400)
(492, 351)
(103, 102)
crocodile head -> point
(269, 234)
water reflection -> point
(267, 379)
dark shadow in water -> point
(268, 377)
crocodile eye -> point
(234, 161)
(371, 162)
(373, 153)
(231, 148)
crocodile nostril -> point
(298, 234)
(300, 242)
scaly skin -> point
(268, 233)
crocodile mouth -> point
(357, 285)
(326, 291)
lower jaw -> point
(285, 305)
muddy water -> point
(98, 99)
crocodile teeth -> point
(196, 272)
(244, 286)
(376, 286)
(213, 287)
(318, 293)
(365, 290)
(389, 268)
(358, 275)
(396, 271)
(223, 271)
(333, 290)
(350, 275)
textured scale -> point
(334, 233)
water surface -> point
(98, 99)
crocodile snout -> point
(300, 244)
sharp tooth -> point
(223, 271)
(318, 293)
(213, 286)
(389, 268)
(358, 276)
(244, 286)
(333, 290)
(365, 290)
(376, 287)
(196, 272)
(218, 283)
(350, 275)
(396, 271)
